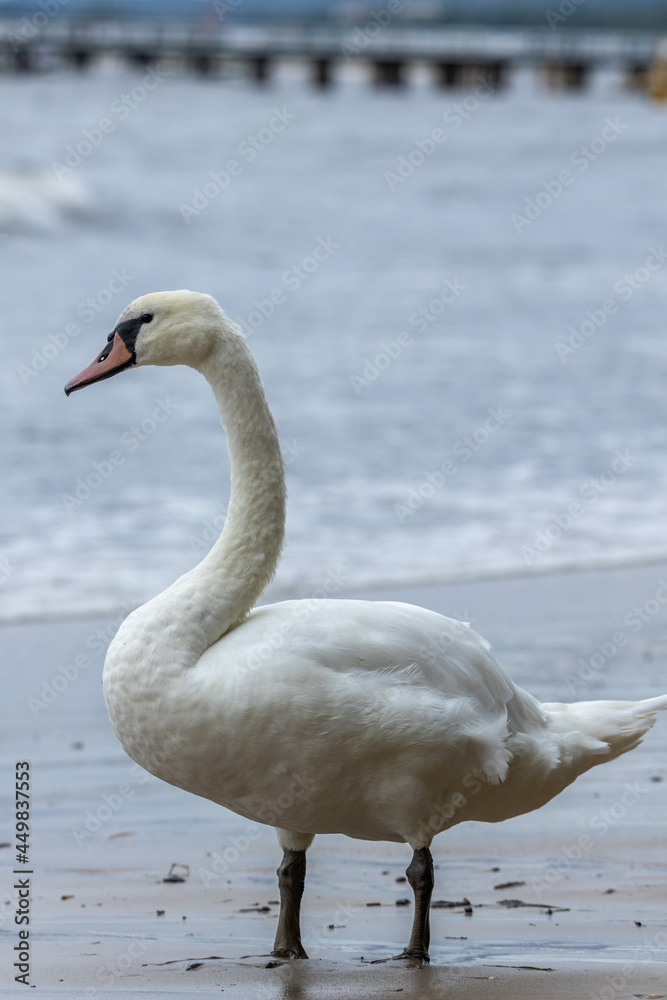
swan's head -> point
(162, 328)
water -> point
(371, 501)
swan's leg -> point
(420, 877)
(291, 880)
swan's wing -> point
(392, 709)
(399, 645)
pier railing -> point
(567, 54)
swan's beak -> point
(114, 358)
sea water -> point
(457, 302)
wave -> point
(34, 200)
(76, 607)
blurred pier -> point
(455, 56)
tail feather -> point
(649, 706)
(602, 728)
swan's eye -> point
(146, 317)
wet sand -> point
(104, 836)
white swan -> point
(382, 721)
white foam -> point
(35, 199)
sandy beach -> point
(568, 901)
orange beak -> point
(114, 358)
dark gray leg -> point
(420, 877)
(291, 879)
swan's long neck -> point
(204, 603)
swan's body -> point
(382, 721)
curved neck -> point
(218, 593)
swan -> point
(378, 720)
